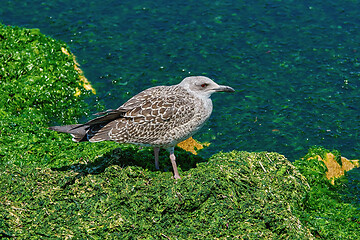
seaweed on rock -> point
(236, 194)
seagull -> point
(158, 117)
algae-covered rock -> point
(326, 210)
(233, 195)
(36, 75)
(38, 83)
(336, 166)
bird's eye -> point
(204, 85)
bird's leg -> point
(156, 154)
(173, 163)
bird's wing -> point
(113, 114)
(141, 98)
(156, 106)
(109, 116)
(156, 102)
(159, 104)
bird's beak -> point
(222, 88)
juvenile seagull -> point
(159, 117)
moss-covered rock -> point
(237, 195)
(325, 211)
(36, 76)
(335, 164)
(38, 83)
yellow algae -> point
(334, 169)
(84, 82)
(191, 145)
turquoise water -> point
(295, 64)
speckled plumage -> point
(159, 117)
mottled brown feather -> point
(138, 121)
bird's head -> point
(203, 87)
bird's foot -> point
(177, 176)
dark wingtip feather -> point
(77, 131)
(68, 128)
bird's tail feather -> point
(77, 131)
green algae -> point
(237, 195)
(233, 195)
(36, 76)
(327, 210)
(37, 86)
